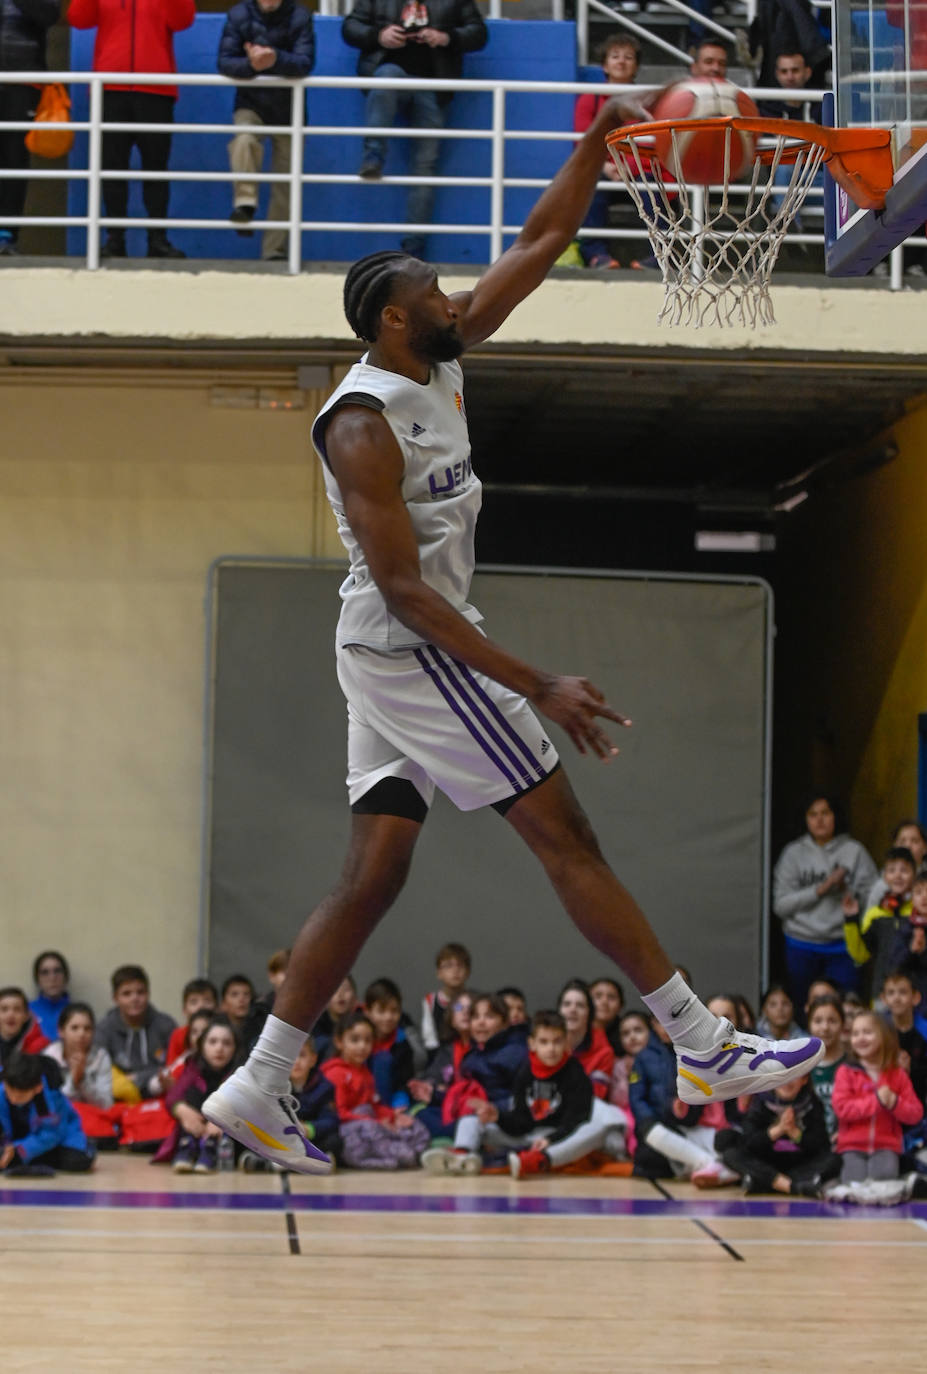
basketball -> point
(698, 154)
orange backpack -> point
(54, 107)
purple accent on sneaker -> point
(311, 1151)
(733, 1056)
(788, 1058)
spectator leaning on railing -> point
(419, 41)
(23, 25)
(135, 37)
(275, 37)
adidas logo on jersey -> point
(545, 745)
(417, 429)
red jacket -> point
(862, 1122)
(33, 1041)
(598, 1059)
(917, 30)
(587, 107)
(355, 1092)
(134, 35)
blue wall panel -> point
(533, 50)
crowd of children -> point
(479, 1082)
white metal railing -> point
(585, 8)
(496, 134)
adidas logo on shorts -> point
(417, 429)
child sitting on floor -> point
(785, 1146)
(430, 1091)
(86, 1069)
(198, 995)
(315, 1096)
(903, 1013)
(193, 1146)
(825, 1020)
(398, 1053)
(20, 1032)
(777, 1014)
(40, 1131)
(872, 1100)
(452, 965)
(342, 1001)
(373, 1135)
(550, 1120)
(608, 1000)
(633, 1035)
(135, 1035)
(516, 1004)
(674, 1139)
(486, 1072)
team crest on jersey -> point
(458, 402)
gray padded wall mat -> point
(679, 812)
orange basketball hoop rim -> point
(859, 160)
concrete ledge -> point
(207, 304)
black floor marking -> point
(292, 1234)
(702, 1226)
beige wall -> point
(206, 305)
(115, 497)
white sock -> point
(677, 1147)
(275, 1054)
(686, 1020)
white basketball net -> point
(717, 247)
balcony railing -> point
(494, 227)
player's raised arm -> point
(550, 226)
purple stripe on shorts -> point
(447, 666)
(507, 725)
(514, 782)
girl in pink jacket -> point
(872, 1100)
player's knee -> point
(374, 886)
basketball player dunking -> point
(433, 702)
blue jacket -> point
(288, 30)
(495, 1065)
(317, 1105)
(52, 1121)
(46, 1011)
(652, 1086)
(652, 1091)
(392, 1068)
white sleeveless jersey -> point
(441, 492)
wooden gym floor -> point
(134, 1268)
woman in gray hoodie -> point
(812, 878)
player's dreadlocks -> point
(367, 289)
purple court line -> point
(461, 1205)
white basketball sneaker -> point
(740, 1063)
(264, 1123)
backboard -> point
(880, 79)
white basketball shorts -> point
(421, 715)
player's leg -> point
(254, 1105)
(332, 937)
(714, 1061)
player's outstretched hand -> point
(574, 703)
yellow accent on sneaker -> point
(699, 1082)
(269, 1139)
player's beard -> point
(436, 344)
